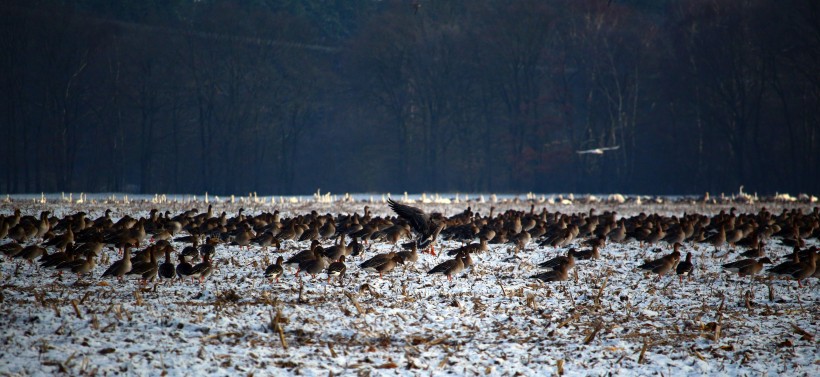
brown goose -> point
(18, 233)
(4, 229)
(314, 266)
(796, 269)
(585, 254)
(521, 240)
(337, 251)
(91, 246)
(191, 252)
(328, 229)
(717, 240)
(184, 268)
(305, 254)
(62, 240)
(618, 234)
(120, 267)
(449, 267)
(663, 264)
(757, 252)
(685, 268)
(381, 263)
(275, 270)
(568, 261)
(243, 237)
(166, 269)
(674, 236)
(409, 257)
(85, 266)
(471, 248)
(10, 250)
(655, 235)
(337, 268)
(560, 273)
(147, 270)
(264, 240)
(355, 247)
(202, 270)
(209, 247)
(427, 226)
(31, 252)
(746, 267)
(52, 260)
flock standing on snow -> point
(74, 243)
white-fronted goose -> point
(477, 248)
(685, 268)
(147, 270)
(275, 270)
(796, 269)
(166, 269)
(409, 257)
(381, 263)
(338, 250)
(449, 267)
(203, 269)
(120, 267)
(314, 266)
(663, 264)
(184, 268)
(746, 267)
(585, 254)
(560, 273)
(337, 268)
(427, 226)
(85, 266)
(568, 261)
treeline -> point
(284, 97)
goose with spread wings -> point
(426, 225)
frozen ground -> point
(609, 318)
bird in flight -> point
(598, 150)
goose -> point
(427, 226)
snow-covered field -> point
(608, 318)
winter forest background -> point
(284, 97)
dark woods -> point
(283, 97)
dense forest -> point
(284, 97)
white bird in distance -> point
(598, 150)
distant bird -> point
(598, 151)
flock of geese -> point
(75, 242)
